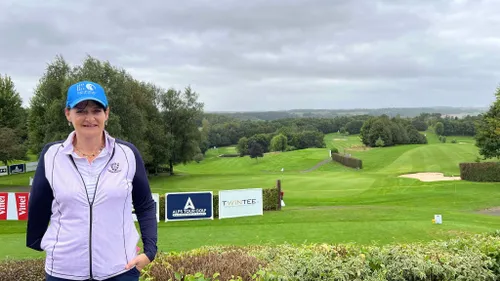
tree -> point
(134, 114)
(204, 136)
(279, 143)
(488, 131)
(11, 110)
(439, 128)
(46, 121)
(255, 150)
(11, 147)
(179, 111)
(242, 146)
(12, 123)
(354, 127)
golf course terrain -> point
(325, 201)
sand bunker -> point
(427, 177)
(340, 139)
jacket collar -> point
(108, 146)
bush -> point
(230, 155)
(334, 150)
(224, 264)
(22, 270)
(198, 157)
(480, 172)
(471, 257)
(348, 161)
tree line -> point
(169, 126)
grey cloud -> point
(259, 55)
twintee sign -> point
(240, 203)
(14, 205)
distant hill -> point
(327, 113)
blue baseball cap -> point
(86, 90)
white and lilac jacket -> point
(90, 239)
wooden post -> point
(278, 185)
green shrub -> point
(334, 150)
(453, 141)
(348, 161)
(466, 257)
(380, 142)
(480, 172)
(202, 264)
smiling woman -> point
(83, 192)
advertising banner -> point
(17, 169)
(156, 198)
(240, 203)
(14, 205)
(3, 171)
(31, 166)
(181, 206)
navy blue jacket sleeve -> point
(145, 207)
(39, 206)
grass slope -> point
(332, 203)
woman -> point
(86, 187)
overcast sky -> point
(270, 55)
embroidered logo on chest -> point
(114, 168)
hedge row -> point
(466, 257)
(348, 161)
(269, 195)
(480, 172)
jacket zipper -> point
(91, 204)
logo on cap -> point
(90, 87)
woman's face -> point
(88, 118)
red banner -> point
(4, 199)
(22, 205)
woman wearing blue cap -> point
(83, 193)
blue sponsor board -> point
(181, 206)
(17, 169)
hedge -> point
(348, 161)
(480, 172)
(269, 195)
(465, 257)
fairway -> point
(325, 201)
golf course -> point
(326, 202)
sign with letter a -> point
(188, 206)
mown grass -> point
(332, 203)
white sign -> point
(438, 219)
(156, 198)
(240, 203)
(31, 166)
(3, 171)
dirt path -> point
(494, 211)
(326, 161)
